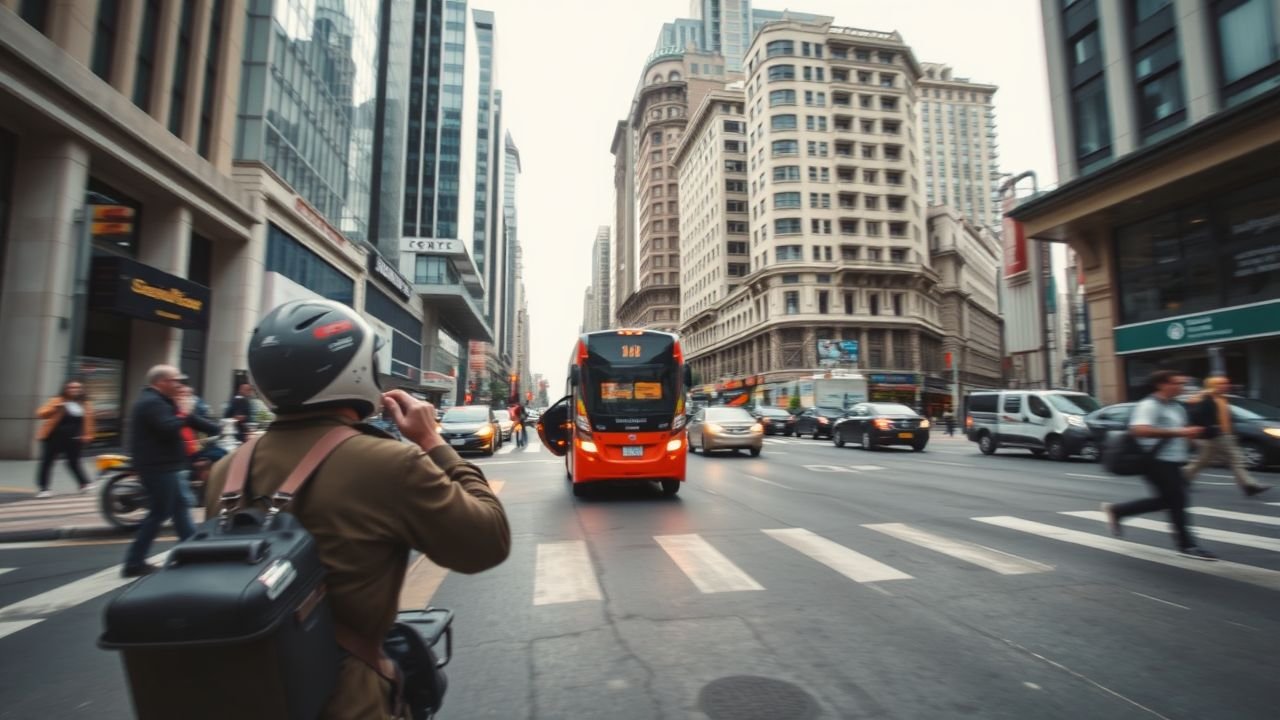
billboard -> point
(837, 351)
(1014, 238)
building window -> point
(1092, 122)
(1248, 48)
(897, 303)
(848, 302)
(782, 122)
(791, 300)
(181, 61)
(146, 55)
(780, 47)
(782, 148)
(210, 77)
(874, 304)
(1089, 109)
(786, 173)
(782, 72)
(786, 200)
(655, 138)
(783, 253)
(292, 259)
(786, 226)
(815, 122)
(104, 40)
(36, 14)
(782, 97)
(824, 302)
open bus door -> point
(555, 427)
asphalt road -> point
(812, 582)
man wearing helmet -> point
(374, 499)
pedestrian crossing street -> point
(564, 571)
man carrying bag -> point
(1159, 424)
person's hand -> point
(415, 418)
(1192, 432)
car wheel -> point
(755, 452)
(692, 448)
(670, 487)
(1091, 452)
(918, 447)
(869, 443)
(1057, 450)
(987, 444)
(1254, 458)
(1037, 452)
(489, 451)
(838, 439)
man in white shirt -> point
(1160, 423)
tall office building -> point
(724, 28)
(837, 249)
(508, 235)
(966, 255)
(590, 314)
(1167, 127)
(958, 137)
(601, 279)
(624, 218)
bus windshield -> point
(630, 376)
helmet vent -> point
(310, 321)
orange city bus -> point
(624, 415)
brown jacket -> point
(371, 502)
(51, 413)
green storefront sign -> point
(1219, 326)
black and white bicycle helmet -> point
(314, 354)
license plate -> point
(632, 451)
(458, 442)
(905, 436)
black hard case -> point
(234, 626)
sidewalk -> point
(68, 514)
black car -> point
(776, 421)
(874, 425)
(817, 421)
(1257, 427)
(471, 427)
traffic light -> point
(112, 220)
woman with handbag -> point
(67, 427)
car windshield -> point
(1254, 409)
(728, 414)
(891, 409)
(829, 412)
(772, 412)
(469, 414)
(1075, 404)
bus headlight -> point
(674, 444)
(587, 446)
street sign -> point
(110, 220)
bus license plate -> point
(632, 451)
(904, 436)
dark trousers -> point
(53, 446)
(1171, 494)
(164, 490)
(522, 436)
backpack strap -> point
(238, 474)
(310, 462)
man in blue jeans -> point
(160, 455)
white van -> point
(1043, 421)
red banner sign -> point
(1015, 241)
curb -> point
(74, 532)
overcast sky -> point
(568, 70)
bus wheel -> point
(670, 487)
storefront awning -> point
(459, 313)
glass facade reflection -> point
(289, 257)
(307, 105)
(484, 143)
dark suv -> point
(817, 421)
(1257, 427)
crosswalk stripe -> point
(25, 613)
(1261, 577)
(563, 574)
(850, 563)
(5, 570)
(1224, 536)
(1232, 515)
(423, 577)
(705, 566)
(989, 558)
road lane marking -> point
(1232, 515)
(1223, 536)
(25, 613)
(850, 563)
(506, 449)
(828, 468)
(1261, 577)
(5, 570)
(706, 566)
(563, 573)
(980, 555)
(1166, 602)
(1087, 477)
(866, 468)
(940, 462)
(423, 577)
(767, 481)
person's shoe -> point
(1251, 490)
(44, 494)
(138, 570)
(1112, 521)
(1197, 553)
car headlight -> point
(1075, 420)
(757, 428)
(712, 429)
(484, 432)
(1273, 432)
(924, 424)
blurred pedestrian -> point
(241, 410)
(522, 417)
(1159, 422)
(950, 420)
(67, 428)
(159, 454)
(1212, 411)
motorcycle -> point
(125, 502)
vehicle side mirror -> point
(555, 427)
